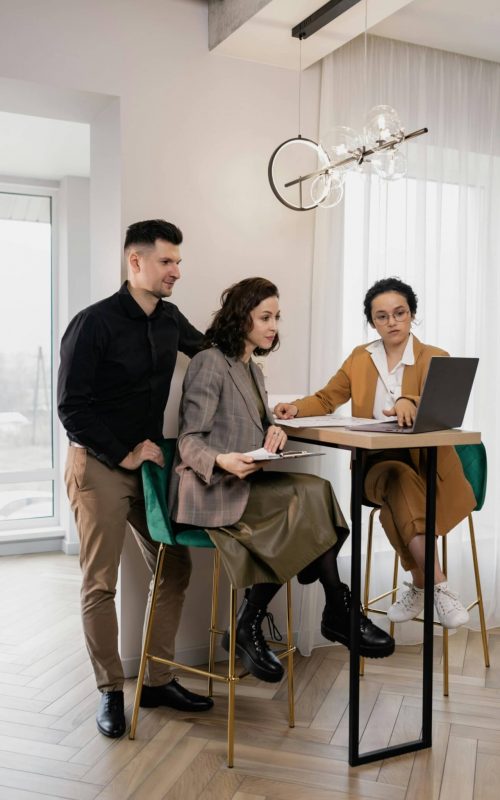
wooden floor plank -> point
(53, 787)
(487, 776)
(459, 769)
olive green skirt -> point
(290, 519)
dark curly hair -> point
(232, 322)
(389, 285)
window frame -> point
(40, 527)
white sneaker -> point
(409, 605)
(451, 613)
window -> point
(27, 447)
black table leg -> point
(356, 506)
(355, 758)
(430, 544)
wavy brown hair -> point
(232, 322)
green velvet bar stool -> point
(166, 532)
(474, 463)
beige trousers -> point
(104, 500)
(400, 492)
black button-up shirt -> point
(116, 368)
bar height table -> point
(359, 442)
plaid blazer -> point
(218, 414)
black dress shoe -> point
(174, 695)
(335, 626)
(111, 715)
(251, 645)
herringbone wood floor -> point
(49, 747)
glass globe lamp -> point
(389, 164)
(327, 190)
(339, 143)
(381, 125)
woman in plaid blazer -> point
(268, 526)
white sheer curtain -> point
(439, 230)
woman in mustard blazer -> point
(385, 378)
(268, 526)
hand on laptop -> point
(405, 410)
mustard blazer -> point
(356, 380)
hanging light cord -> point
(366, 53)
(300, 81)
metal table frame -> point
(319, 438)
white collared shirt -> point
(389, 383)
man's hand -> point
(275, 439)
(237, 464)
(285, 411)
(144, 451)
(405, 410)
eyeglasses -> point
(399, 315)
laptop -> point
(443, 400)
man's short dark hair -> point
(148, 231)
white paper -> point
(261, 454)
(330, 421)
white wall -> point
(185, 135)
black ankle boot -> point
(251, 646)
(335, 626)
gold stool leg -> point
(394, 589)
(368, 570)
(289, 641)
(231, 677)
(147, 638)
(480, 605)
(446, 671)
(213, 619)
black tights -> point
(323, 568)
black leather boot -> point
(251, 646)
(335, 626)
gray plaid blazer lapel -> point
(238, 375)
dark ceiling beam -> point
(322, 17)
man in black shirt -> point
(117, 361)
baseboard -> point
(70, 548)
(23, 546)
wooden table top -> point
(383, 441)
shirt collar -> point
(408, 357)
(132, 308)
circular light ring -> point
(322, 158)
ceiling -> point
(459, 26)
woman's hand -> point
(275, 439)
(285, 410)
(405, 410)
(237, 464)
